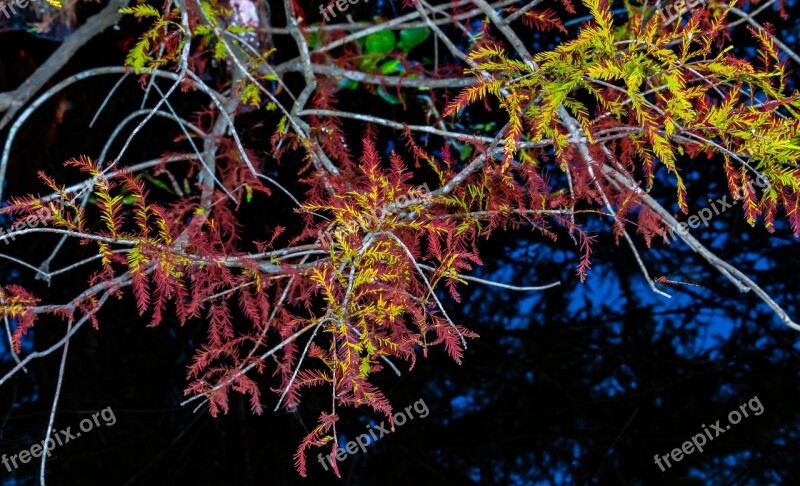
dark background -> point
(579, 384)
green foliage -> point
(666, 93)
(381, 42)
(391, 66)
(411, 38)
(141, 11)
